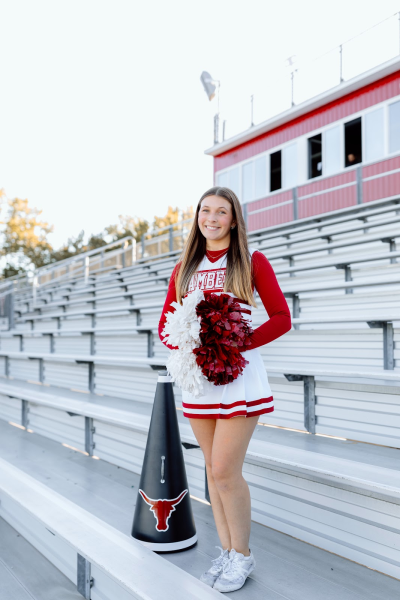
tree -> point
(24, 235)
(170, 218)
(11, 271)
(134, 226)
(72, 247)
(25, 242)
(96, 241)
(173, 216)
(188, 213)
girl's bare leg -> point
(231, 439)
(203, 430)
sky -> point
(102, 111)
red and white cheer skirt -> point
(248, 395)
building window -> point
(352, 142)
(332, 153)
(374, 132)
(394, 127)
(247, 182)
(222, 179)
(234, 181)
(260, 175)
(230, 179)
(289, 170)
(275, 171)
(315, 156)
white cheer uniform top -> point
(248, 395)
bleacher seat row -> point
(80, 367)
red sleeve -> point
(274, 302)
(171, 297)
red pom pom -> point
(223, 333)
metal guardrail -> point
(121, 253)
(165, 239)
(116, 255)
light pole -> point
(290, 63)
(210, 85)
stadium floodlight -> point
(291, 61)
(209, 85)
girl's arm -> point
(171, 297)
(274, 302)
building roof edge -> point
(354, 84)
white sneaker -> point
(210, 576)
(235, 572)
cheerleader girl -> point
(216, 258)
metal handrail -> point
(155, 231)
(31, 280)
(173, 239)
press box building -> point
(326, 154)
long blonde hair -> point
(238, 279)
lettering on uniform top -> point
(213, 279)
(201, 279)
(210, 280)
(193, 283)
(220, 278)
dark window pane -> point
(276, 170)
(315, 156)
(352, 142)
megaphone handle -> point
(162, 469)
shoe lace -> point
(220, 559)
(233, 565)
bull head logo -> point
(162, 508)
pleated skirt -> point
(249, 395)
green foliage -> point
(11, 270)
(96, 241)
(170, 218)
(73, 246)
(134, 226)
(24, 235)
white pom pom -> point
(186, 373)
(182, 329)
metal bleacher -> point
(78, 374)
